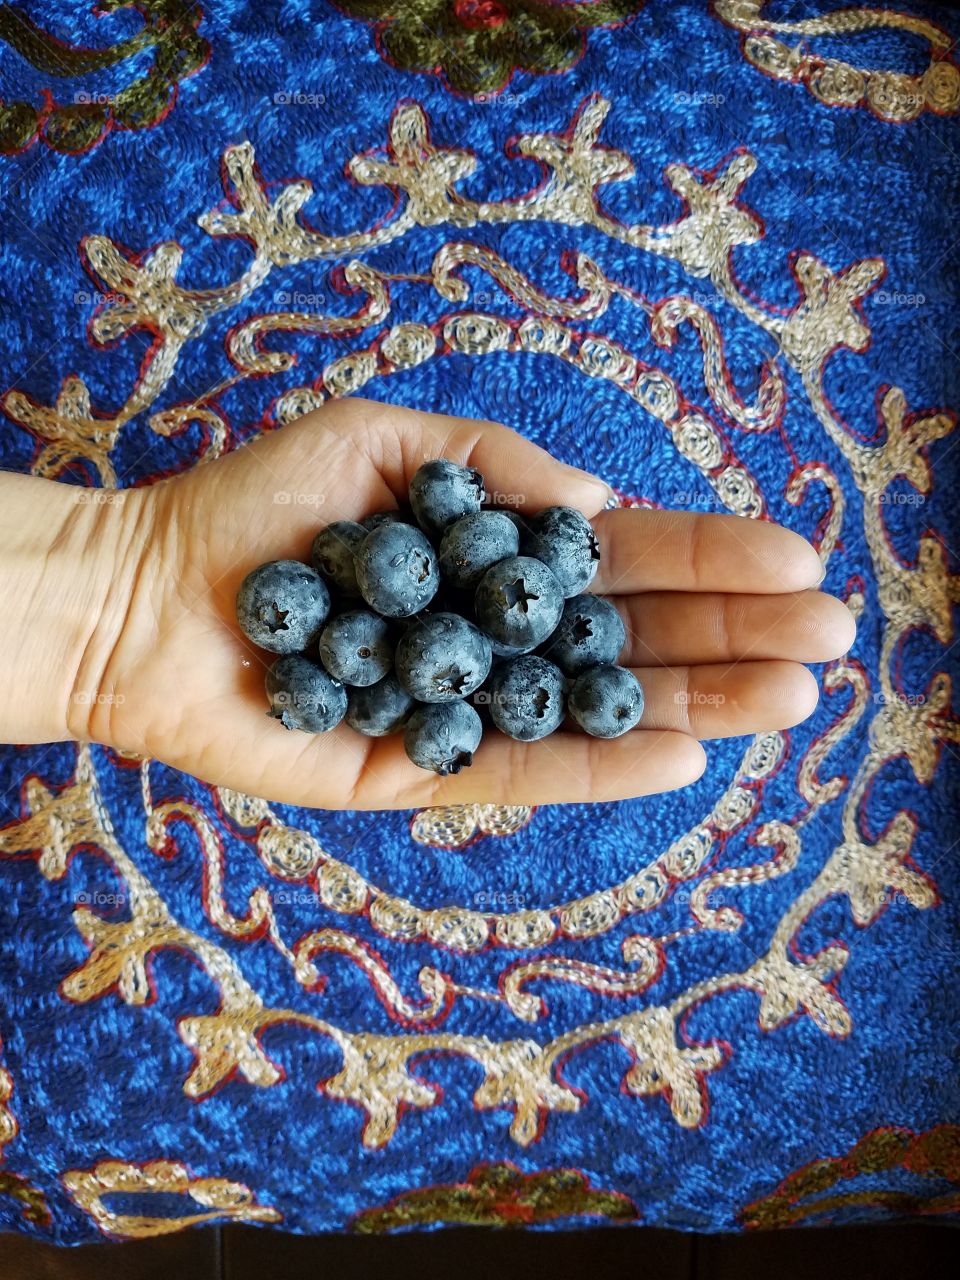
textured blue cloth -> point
(700, 1046)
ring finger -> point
(724, 700)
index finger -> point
(644, 550)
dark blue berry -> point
(519, 522)
(474, 544)
(563, 538)
(442, 657)
(356, 647)
(443, 737)
(519, 602)
(333, 550)
(526, 698)
(380, 708)
(606, 701)
(397, 570)
(441, 492)
(509, 650)
(383, 517)
(281, 606)
(303, 696)
(591, 634)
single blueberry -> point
(606, 701)
(441, 492)
(379, 709)
(526, 698)
(519, 522)
(333, 551)
(397, 570)
(303, 696)
(443, 737)
(356, 647)
(442, 657)
(519, 602)
(474, 544)
(509, 650)
(281, 606)
(563, 538)
(383, 517)
(591, 634)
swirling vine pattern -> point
(611, 952)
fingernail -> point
(584, 477)
(608, 493)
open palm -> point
(720, 612)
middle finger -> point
(679, 627)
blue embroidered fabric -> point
(726, 1008)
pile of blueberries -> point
(467, 608)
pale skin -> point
(124, 631)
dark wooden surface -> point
(921, 1252)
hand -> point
(720, 613)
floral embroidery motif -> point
(33, 1203)
(477, 45)
(499, 1195)
(891, 95)
(205, 1199)
(455, 826)
(169, 29)
(8, 1123)
(816, 1191)
(661, 1067)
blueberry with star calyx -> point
(303, 696)
(441, 492)
(281, 606)
(591, 634)
(356, 647)
(333, 551)
(475, 543)
(442, 657)
(397, 570)
(519, 602)
(563, 538)
(526, 698)
(443, 736)
(379, 709)
(606, 701)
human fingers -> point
(725, 700)
(644, 550)
(673, 628)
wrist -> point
(68, 564)
(112, 551)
